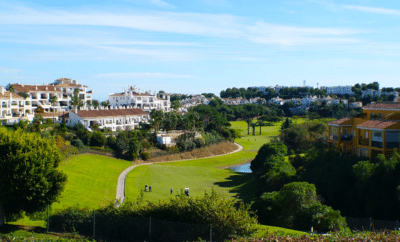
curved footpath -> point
(120, 197)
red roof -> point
(32, 88)
(376, 124)
(111, 113)
(383, 106)
(339, 121)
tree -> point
(260, 123)
(104, 104)
(53, 100)
(253, 126)
(75, 100)
(11, 88)
(176, 105)
(156, 119)
(95, 103)
(29, 179)
(296, 206)
(248, 121)
(266, 151)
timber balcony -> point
(363, 141)
(346, 137)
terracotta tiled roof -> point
(383, 106)
(339, 121)
(69, 85)
(111, 113)
(51, 114)
(134, 94)
(7, 95)
(32, 88)
(376, 124)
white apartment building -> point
(14, 107)
(146, 101)
(62, 88)
(126, 118)
(339, 90)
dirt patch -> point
(218, 149)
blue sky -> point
(199, 45)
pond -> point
(242, 168)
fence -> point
(104, 227)
(371, 224)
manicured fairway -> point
(202, 174)
(92, 180)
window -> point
(366, 134)
(377, 133)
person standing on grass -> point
(149, 188)
(171, 190)
(145, 188)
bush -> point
(226, 219)
(145, 155)
(97, 139)
(77, 143)
(49, 121)
(199, 142)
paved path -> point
(122, 177)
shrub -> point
(97, 139)
(77, 143)
(227, 219)
(199, 142)
(49, 121)
(145, 155)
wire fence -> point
(104, 227)
(371, 224)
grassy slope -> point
(92, 180)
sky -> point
(199, 46)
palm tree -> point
(104, 104)
(156, 119)
(248, 121)
(253, 125)
(260, 123)
(75, 100)
(53, 100)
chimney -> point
(22, 85)
(2, 90)
(36, 87)
(47, 88)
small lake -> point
(242, 168)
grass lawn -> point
(92, 180)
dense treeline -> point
(235, 112)
(285, 93)
(354, 186)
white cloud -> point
(215, 25)
(161, 3)
(387, 11)
(6, 70)
(141, 75)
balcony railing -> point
(363, 141)
(346, 137)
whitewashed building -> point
(14, 107)
(339, 90)
(116, 119)
(62, 88)
(146, 101)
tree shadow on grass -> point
(9, 228)
(243, 184)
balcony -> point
(392, 145)
(377, 144)
(346, 137)
(363, 141)
(333, 137)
